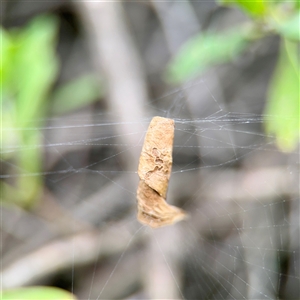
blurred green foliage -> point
(206, 50)
(76, 94)
(283, 101)
(266, 18)
(37, 293)
(255, 8)
(289, 28)
(28, 69)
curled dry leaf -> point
(154, 171)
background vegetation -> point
(50, 76)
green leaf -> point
(37, 293)
(291, 27)
(282, 110)
(204, 51)
(28, 69)
(29, 159)
(76, 94)
(255, 8)
(5, 54)
(36, 67)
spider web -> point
(241, 240)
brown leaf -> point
(154, 171)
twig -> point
(79, 249)
(117, 58)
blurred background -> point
(80, 84)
